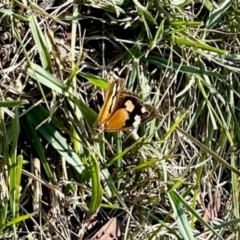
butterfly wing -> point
(113, 91)
(129, 112)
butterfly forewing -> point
(130, 112)
(113, 91)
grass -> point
(177, 177)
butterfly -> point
(122, 110)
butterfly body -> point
(122, 110)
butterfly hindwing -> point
(113, 91)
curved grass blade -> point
(53, 137)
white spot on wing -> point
(137, 121)
(114, 89)
(129, 105)
(143, 109)
(113, 104)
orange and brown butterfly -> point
(122, 110)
